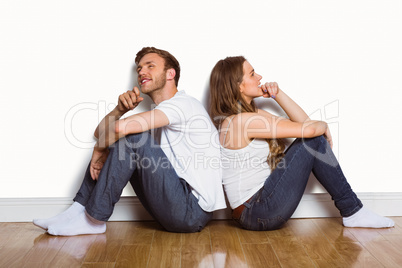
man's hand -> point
(98, 159)
(129, 100)
(270, 90)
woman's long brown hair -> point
(226, 100)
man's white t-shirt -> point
(191, 143)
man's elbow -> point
(119, 128)
(126, 127)
(96, 134)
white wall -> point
(64, 63)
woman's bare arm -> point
(291, 108)
(247, 126)
(273, 127)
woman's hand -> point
(270, 90)
(328, 137)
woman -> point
(264, 184)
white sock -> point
(80, 224)
(75, 209)
(367, 219)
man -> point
(178, 181)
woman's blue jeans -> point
(277, 200)
(138, 159)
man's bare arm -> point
(127, 101)
(136, 123)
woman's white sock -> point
(75, 209)
(80, 224)
(367, 219)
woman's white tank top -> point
(244, 170)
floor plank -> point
(8, 231)
(133, 256)
(385, 252)
(165, 250)
(320, 250)
(333, 230)
(346, 244)
(198, 238)
(260, 255)
(247, 236)
(98, 265)
(322, 242)
(356, 255)
(17, 247)
(284, 231)
(286, 248)
(226, 248)
(139, 232)
(45, 249)
(197, 255)
(73, 252)
(104, 249)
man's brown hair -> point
(170, 60)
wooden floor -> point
(301, 243)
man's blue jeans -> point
(138, 159)
(277, 200)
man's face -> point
(151, 73)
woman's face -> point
(249, 87)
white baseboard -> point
(130, 208)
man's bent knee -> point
(137, 140)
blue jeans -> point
(277, 200)
(138, 159)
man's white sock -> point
(80, 224)
(367, 219)
(75, 209)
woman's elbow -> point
(323, 129)
(314, 130)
